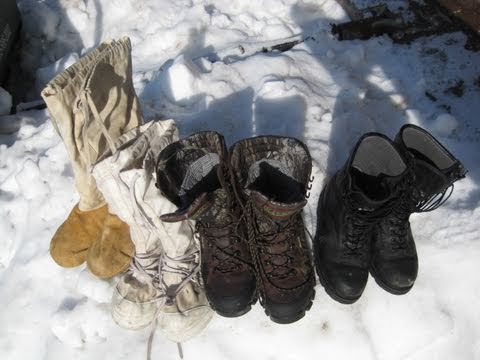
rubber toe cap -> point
(397, 276)
(231, 301)
(347, 282)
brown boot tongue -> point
(275, 210)
(196, 209)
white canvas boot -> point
(162, 285)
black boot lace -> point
(359, 224)
(426, 204)
(412, 200)
(226, 241)
(276, 245)
(398, 226)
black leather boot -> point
(435, 169)
(354, 200)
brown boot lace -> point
(275, 243)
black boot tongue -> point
(363, 202)
(193, 211)
(381, 190)
(275, 210)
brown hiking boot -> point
(272, 176)
(193, 174)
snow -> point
(188, 65)
(444, 124)
(45, 74)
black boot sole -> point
(292, 318)
(237, 313)
(234, 314)
(387, 288)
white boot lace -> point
(187, 265)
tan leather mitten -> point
(111, 253)
(70, 244)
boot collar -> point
(192, 211)
(275, 210)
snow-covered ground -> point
(187, 65)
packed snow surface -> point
(187, 66)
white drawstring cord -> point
(89, 105)
(100, 122)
